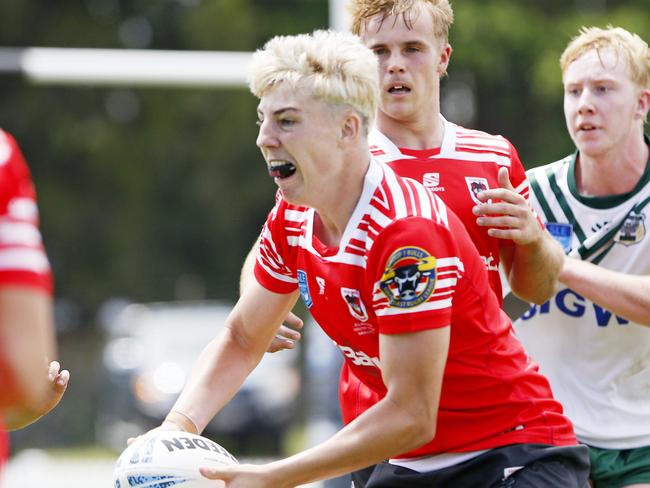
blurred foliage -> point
(158, 193)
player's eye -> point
(286, 122)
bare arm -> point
(403, 420)
(226, 361)
(28, 342)
(287, 335)
(533, 265)
(627, 296)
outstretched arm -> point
(627, 296)
(226, 361)
(533, 264)
(403, 420)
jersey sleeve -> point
(415, 267)
(272, 266)
(23, 260)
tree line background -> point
(157, 193)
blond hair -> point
(441, 12)
(626, 44)
(335, 66)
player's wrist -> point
(183, 421)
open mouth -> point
(281, 169)
(398, 89)
(587, 127)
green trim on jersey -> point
(539, 194)
(592, 251)
(609, 201)
(550, 175)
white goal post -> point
(138, 67)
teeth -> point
(398, 88)
(281, 169)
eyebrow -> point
(401, 43)
(279, 111)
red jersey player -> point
(393, 278)
(29, 389)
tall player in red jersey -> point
(28, 389)
(391, 275)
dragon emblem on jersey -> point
(353, 299)
(632, 231)
(475, 186)
(409, 278)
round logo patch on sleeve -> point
(409, 278)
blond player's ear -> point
(351, 128)
(643, 104)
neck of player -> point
(614, 172)
(423, 131)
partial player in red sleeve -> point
(32, 383)
(391, 275)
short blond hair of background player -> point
(630, 46)
(441, 13)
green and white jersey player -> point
(592, 339)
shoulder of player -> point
(474, 139)
(554, 168)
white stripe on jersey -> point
(399, 200)
(423, 307)
(458, 143)
(20, 233)
(23, 208)
(294, 215)
(33, 260)
(277, 276)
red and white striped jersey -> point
(22, 256)
(466, 163)
(405, 264)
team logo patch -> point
(409, 278)
(475, 186)
(632, 231)
(562, 234)
(303, 286)
(353, 299)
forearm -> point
(384, 431)
(26, 343)
(226, 361)
(219, 371)
(15, 419)
(535, 268)
(627, 296)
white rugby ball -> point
(169, 459)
